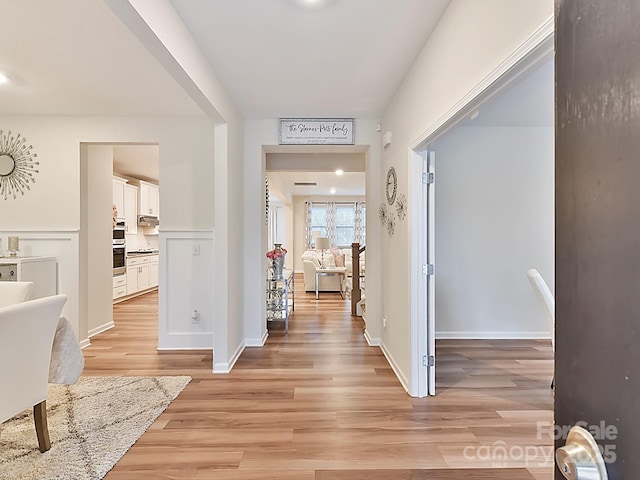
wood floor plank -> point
(321, 404)
(462, 474)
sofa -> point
(311, 261)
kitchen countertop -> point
(142, 253)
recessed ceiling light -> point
(3, 78)
(339, 171)
(312, 3)
(332, 191)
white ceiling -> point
(75, 57)
(275, 57)
(281, 184)
(137, 161)
(278, 58)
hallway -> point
(321, 404)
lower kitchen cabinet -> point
(119, 286)
(142, 273)
(154, 272)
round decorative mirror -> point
(7, 165)
(17, 165)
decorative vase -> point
(277, 264)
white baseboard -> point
(178, 349)
(493, 335)
(85, 343)
(256, 342)
(394, 367)
(101, 328)
(225, 367)
(373, 342)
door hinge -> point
(428, 178)
(428, 269)
(428, 360)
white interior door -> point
(430, 209)
(423, 323)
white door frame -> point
(536, 49)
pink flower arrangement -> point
(276, 253)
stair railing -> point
(356, 291)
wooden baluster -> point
(356, 293)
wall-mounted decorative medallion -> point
(17, 165)
(401, 206)
(383, 214)
(391, 224)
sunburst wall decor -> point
(391, 224)
(401, 206)
(17, 165)
(383, 214)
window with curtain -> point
(342, 222)
(318, 223)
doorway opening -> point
(317, 210)
(487, 204)
(119, 249)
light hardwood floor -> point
(321, 404)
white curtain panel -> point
(331, 223)
(307, 227)
(357, 230)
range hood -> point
(148, 221)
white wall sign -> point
(310, 131)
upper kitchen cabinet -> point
(149, 199)
(131, 209)
(118, 196)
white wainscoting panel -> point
(64, 245)
(186, 284)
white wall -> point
(470, 41)
(98, 289)
(48, 216)
(494, 221)
(299, 220)
(229, 338)
(260, 132)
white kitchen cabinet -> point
(149, 199)
(154, 271)
(131, 209)
(118, 196)
(119, 286)
(142, 273)
(132, 279)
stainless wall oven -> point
(119, 249)
(119, 260)
(118, 234)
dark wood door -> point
(598, 225)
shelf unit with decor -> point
(280, 298)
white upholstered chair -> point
(546, 301)
(14, 292)
(548, 304)
(26, 337)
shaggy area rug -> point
(91, 424)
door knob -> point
(580, 458)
